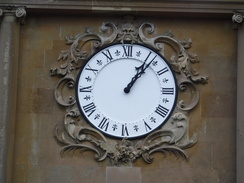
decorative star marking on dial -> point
(126, 90)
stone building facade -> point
(33, 41)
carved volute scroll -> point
(172, 137)
(18, 12)
(237, 19)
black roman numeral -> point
(104, 124)
(124, 130)
(91, 69)
(89, 108)
(127, 51)
(160, 72)
(168, 91)
(151, 60)
(108, 55)
(162, 111)
(148, 56)
(147, 126)
(86, 89)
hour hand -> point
(139, 71)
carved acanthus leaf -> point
(125, 152)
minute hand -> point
(139, 71)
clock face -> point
(126, 90)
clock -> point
(126, 90)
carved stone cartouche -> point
(171, 137)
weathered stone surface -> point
(9, 49)
(36, 152)
(123, 174)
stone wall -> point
(36, 152)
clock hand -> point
(139, 71)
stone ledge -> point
(133, 6)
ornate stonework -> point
(237, 19)
(18, 12)
(173, 137)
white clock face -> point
(126, 90)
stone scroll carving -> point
(172, 137)
(18, 12)
(237, 18)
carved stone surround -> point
(173, 137)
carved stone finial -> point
(237, 18)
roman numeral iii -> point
(168, 91)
